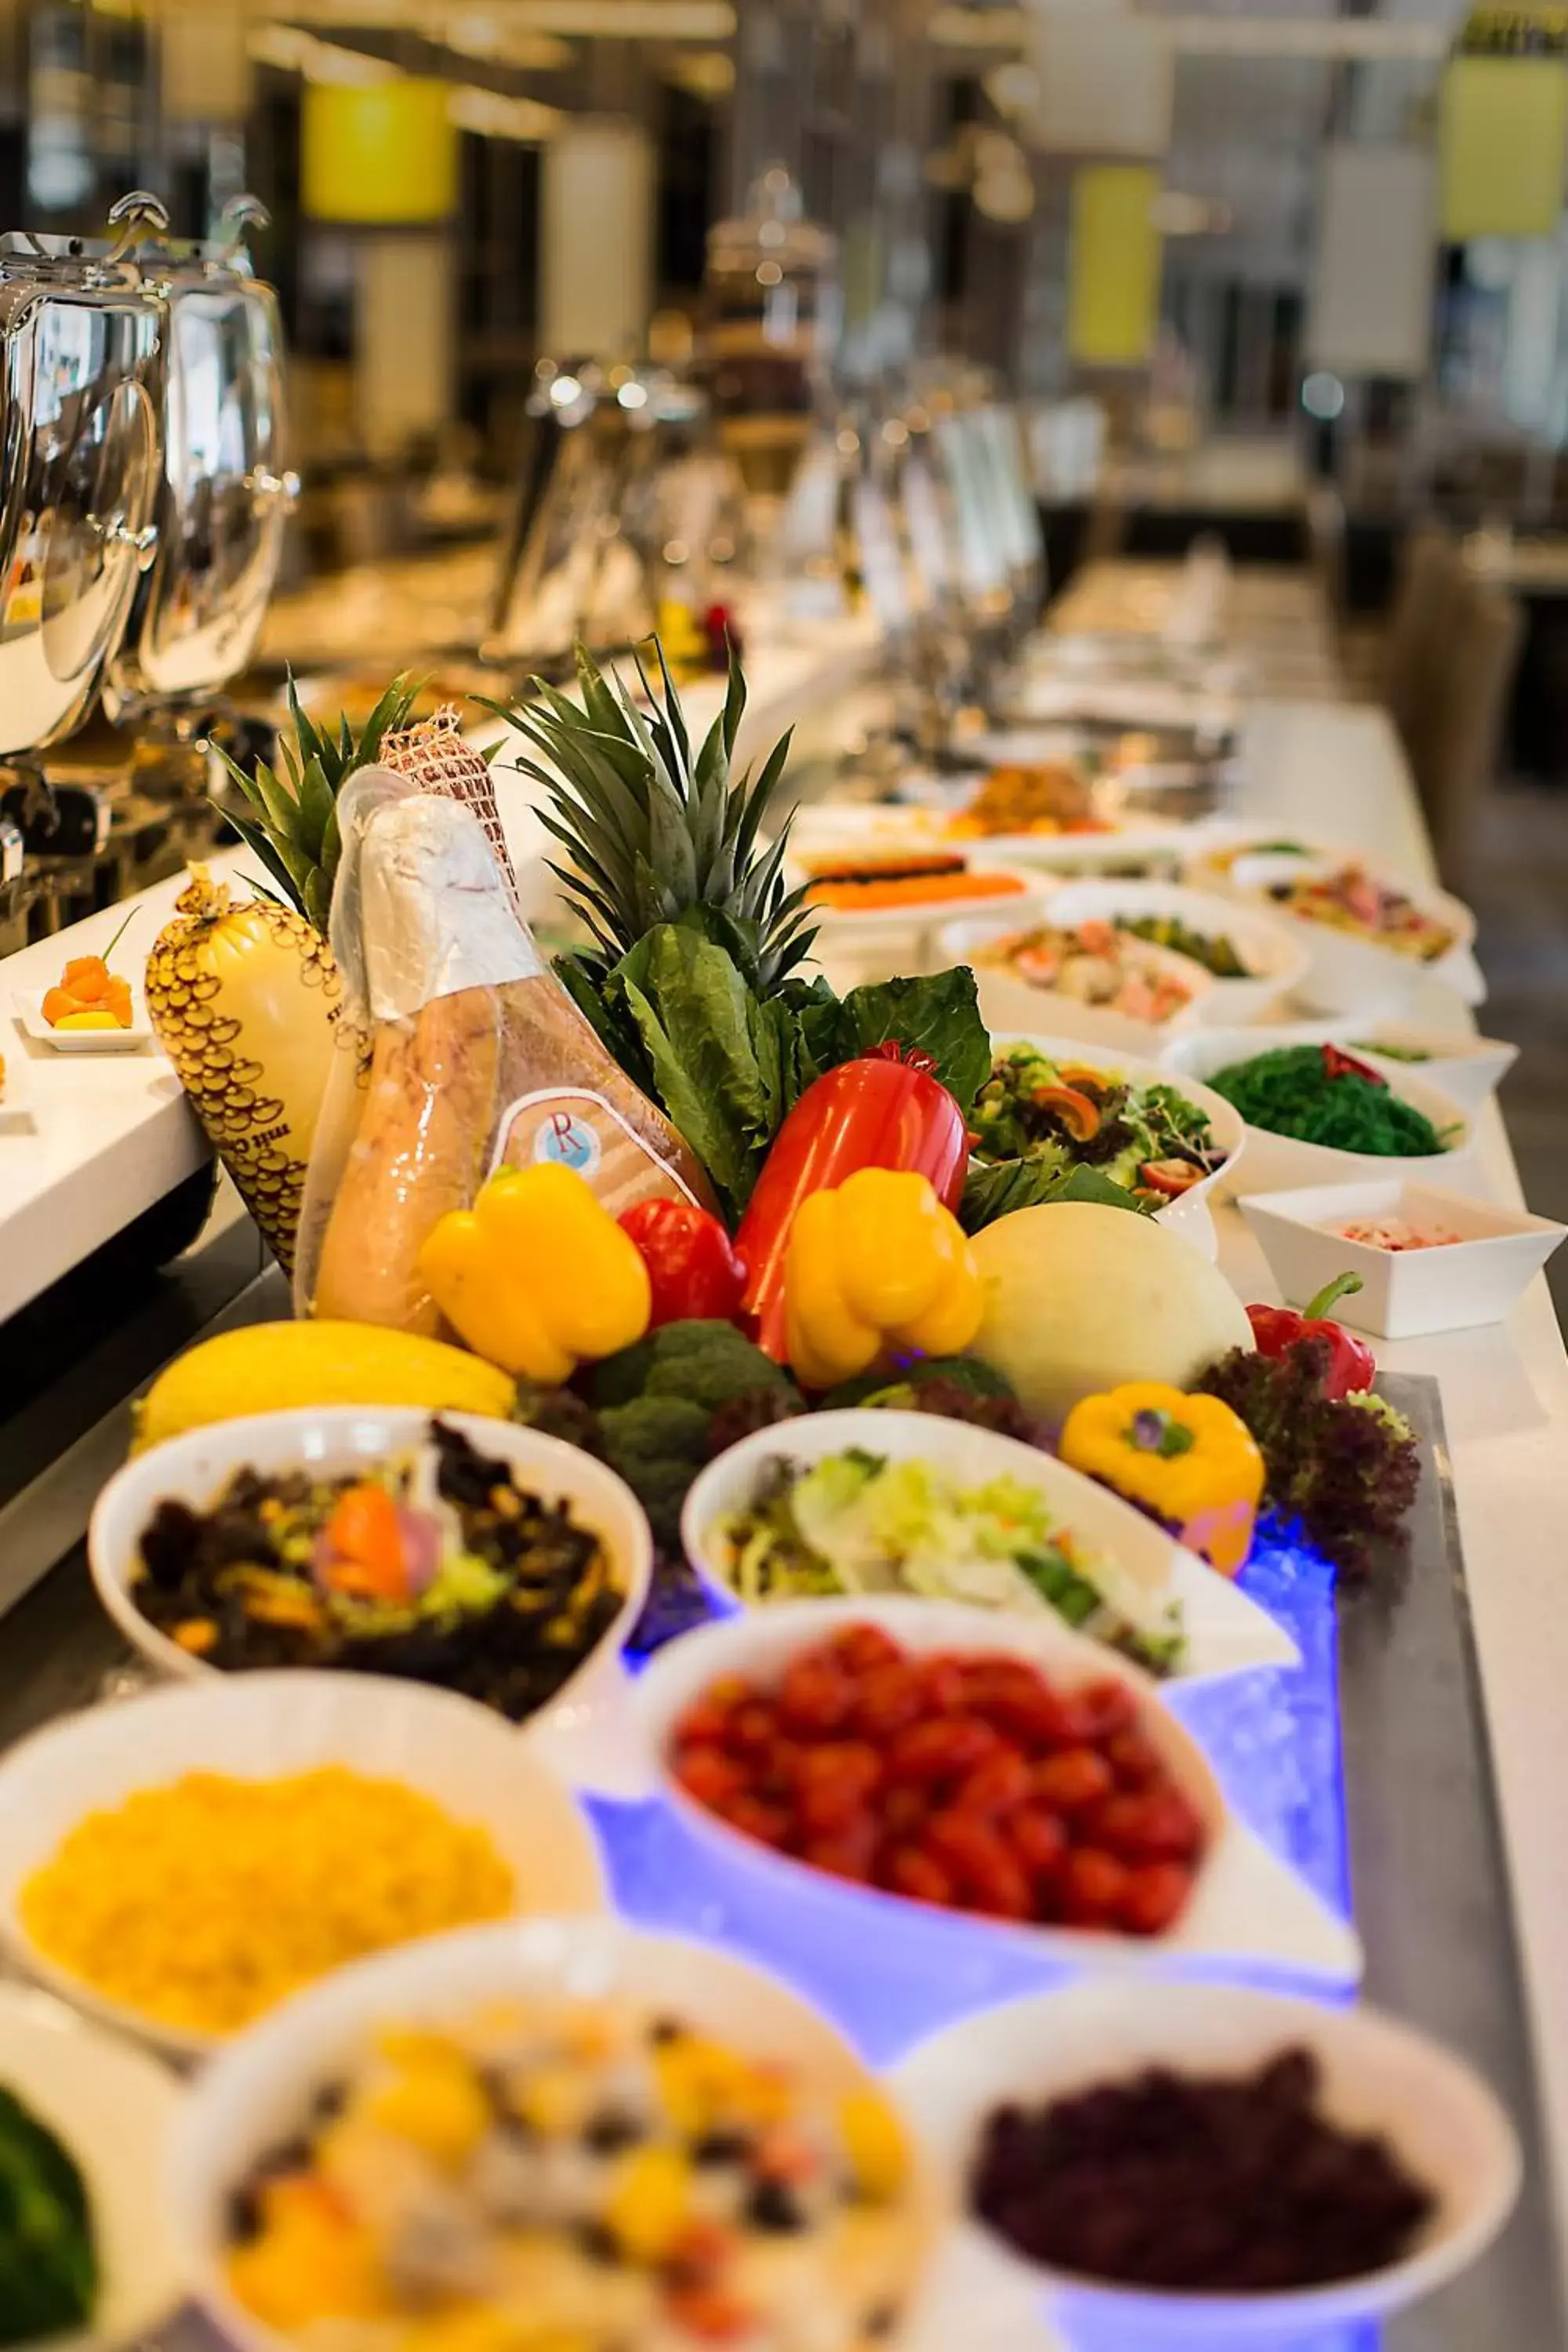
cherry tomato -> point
(815, 1695)
(1152, 1897)
(1039, 1840)
(912, 1870)
(707, 1774)
(1072, 1780)
(860, 1649)
(941, 1682)
(848, 1851)
(1015, 1699)
(886, 1699)
(987, 1873)
(752, 1728)
(996, 1786)
(754, 1817)
(1099, 1710)
(940, 1750)
(1147, 1825)
(833, 1784)
(708, 1718)
(1134, 1759)
(1093, 1888)
(903, 1807)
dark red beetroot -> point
(1226, 2185)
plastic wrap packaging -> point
(470, 1055)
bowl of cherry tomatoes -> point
(958, 1772)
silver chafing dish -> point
(226, 488)
(82, 343)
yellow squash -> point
(271, 1367)
(245, 1001)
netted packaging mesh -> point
(434, 756)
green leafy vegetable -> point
(48, 2268)
(1295, 1091)
(1346, 1470)
(995, 1192)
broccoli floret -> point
(657, 1443)
(702, 1362)
(954, 1371)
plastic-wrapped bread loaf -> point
(477, 1055)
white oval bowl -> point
(1378, 2075)
(1009, 1004)
(253, 2094)
(1346, 972)
(1246, 1905)
(1277, 961)
(1469, 1068)
(1279, 1163)
(261, 1726)
(1227, 1634)
(326, 1440)
(114, 2109)
(1189, 1215)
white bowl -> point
(256, 2092)
(1346, 972)
(1189, 1215)
(1470, 1069)
(330, 1439)
(258, 1727)
(1377, 2076)
(1275, 1162)
(1227, 1633)
(1244, 1905)
(28, 1004)
(1276, 959)
(1404, 1294)
(113, 2108)
(1009, 1003)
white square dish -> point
(28, 1007)
(1404, 1294)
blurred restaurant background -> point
(602, 315)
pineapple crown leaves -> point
(294, 828)
(648, 831)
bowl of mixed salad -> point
(482, 1556)
(1083, 978)
(870, 1501)
(1171, 1143)
(1317, 1112)
(1370, 938)
(1252, 959)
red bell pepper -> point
(692, 1264)
(883, 1109)
(1351, 1364)
(1337, 1064)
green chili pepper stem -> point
(1343, 1286)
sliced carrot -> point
(364, 1539)
(58, 1001)
(87, 977)
(1078, 1114)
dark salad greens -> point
(48, 2265)
(1319, 1094)
(434, 1564)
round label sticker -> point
(567, 1141)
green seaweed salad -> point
(1317, 1094)
(49, 2267)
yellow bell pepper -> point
(537, 1276)
(1188, 1461)
(877, 1263)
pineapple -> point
(245, 999)
(650, 832)
(295, 829)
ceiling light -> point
(295, 51)
(564, 390)
(490, 115)
(630, 20)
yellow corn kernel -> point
(874, 2143)
(650, 2202)
(310, 2262)
(554, 2100)
(439, 2105)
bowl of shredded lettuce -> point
(872, 1501)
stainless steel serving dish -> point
(224, 489)
(83, 342)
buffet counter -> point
(113, 1136)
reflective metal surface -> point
(225, 489)
(83, 350)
